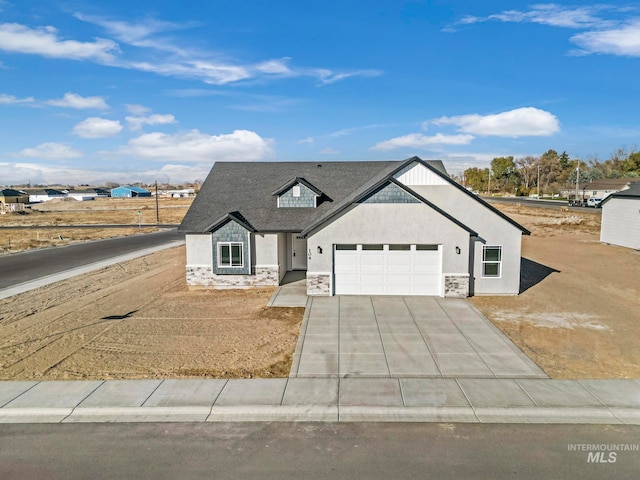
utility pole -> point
(577, 181)
(538, 183)
(157, 207)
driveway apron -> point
(361, 336)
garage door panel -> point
(368, 269)
(399, 269)
(372, 259)
(399, 258)
(387, 272)
(426, 269)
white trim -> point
(483, 261)
(218, 247)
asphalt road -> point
(532, 202)
(23, 267)
(356, 451)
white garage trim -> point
(389, 269)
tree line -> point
(549, 173)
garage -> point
(394, 269)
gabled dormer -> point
(299, 193)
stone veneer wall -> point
(204, 277)
(456, 285)
(318, 284)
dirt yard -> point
(138, 320)
(579, 315)
(119, 211)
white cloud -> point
(136, 123)
(73, 100)
(52, 174)
(328, 76)
(194, 146)
(306, 140)
(329, 151)
(45, 41)
(274, 67)
(137, 109)
(521, 122)
(12, 100)
(601, 36)
(207, 71)
(95, 127)
(142, 34)
(417, 140)
(50, 151)
(624, 40)
(162, 55)
(548, 14)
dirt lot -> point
(118, 211)
(579, 317)
(137, 320)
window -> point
(345, 247)
(426, 247)
(399, 247)
(296, 191)
(372, 247)
(230, 254)
(491, 261)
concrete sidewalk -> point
(476, 400)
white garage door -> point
(387, 269)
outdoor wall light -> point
(458, 250)
(319, 249)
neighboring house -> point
(45, 194)
(600, 188)
(621, 218)
(129, 192)
(9, 195)
(102, 192)
(82, 195)
(394, 228)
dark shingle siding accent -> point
(231, 232)
(306, 198)
(390, 193)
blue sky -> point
(94, 91)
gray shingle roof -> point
(246, 188)
(632, 192)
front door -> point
(299, 252)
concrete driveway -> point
(361, 336)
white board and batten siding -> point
(383, 270)
(418, 174)
(621, 222)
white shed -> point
(621, 218)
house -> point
(129, 192)
(600, 188)
(45, 194)
(9, 195)
(621, 218)
(388, 228)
